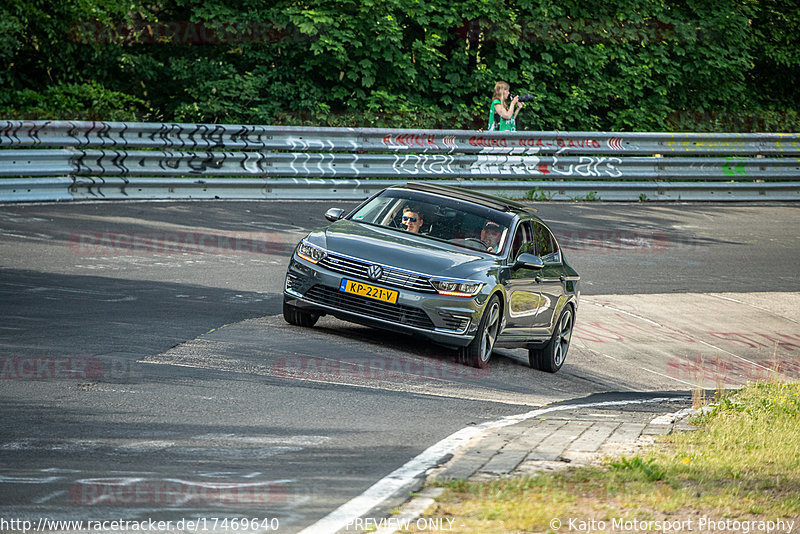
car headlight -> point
(310, 252)
(457, 289)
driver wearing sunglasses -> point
(412, 219)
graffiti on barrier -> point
(520, 165)
(404, 141)
(423, 164)
(587, 166)
(734, 166)
(541, 143)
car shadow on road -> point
(407, 356)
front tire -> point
(479, 351)
(296, 316)
(551, 357)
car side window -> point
(546, 246)
(522, 240)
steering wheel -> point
(484, 245)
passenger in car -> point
(490, 234)
(412, 218)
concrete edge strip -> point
(414, 508)
(411, 511)
(670, 418)
(405, 475)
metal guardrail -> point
(305, 164)
(58, 160)
(88, 188)
(306, 139)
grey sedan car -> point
(466, 270)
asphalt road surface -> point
(147, 372)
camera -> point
(523, 98)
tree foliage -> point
(631, 65)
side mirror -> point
(528, 261)
(334, 214)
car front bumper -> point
(451, 321)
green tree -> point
(591, 65)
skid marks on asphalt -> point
(693, 340)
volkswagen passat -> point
(466, 270)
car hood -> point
(400, 249)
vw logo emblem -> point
(374, 272)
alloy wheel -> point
(490, 331)
(562, 339)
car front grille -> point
(395, 313)
(390, 277)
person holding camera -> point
(502, 116)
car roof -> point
(468, 195)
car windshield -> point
(444, 219)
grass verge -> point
(741, 464)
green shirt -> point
(500, 124)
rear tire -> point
(296, 316)
(551, 357)
(479, 351)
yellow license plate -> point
(366, 290)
